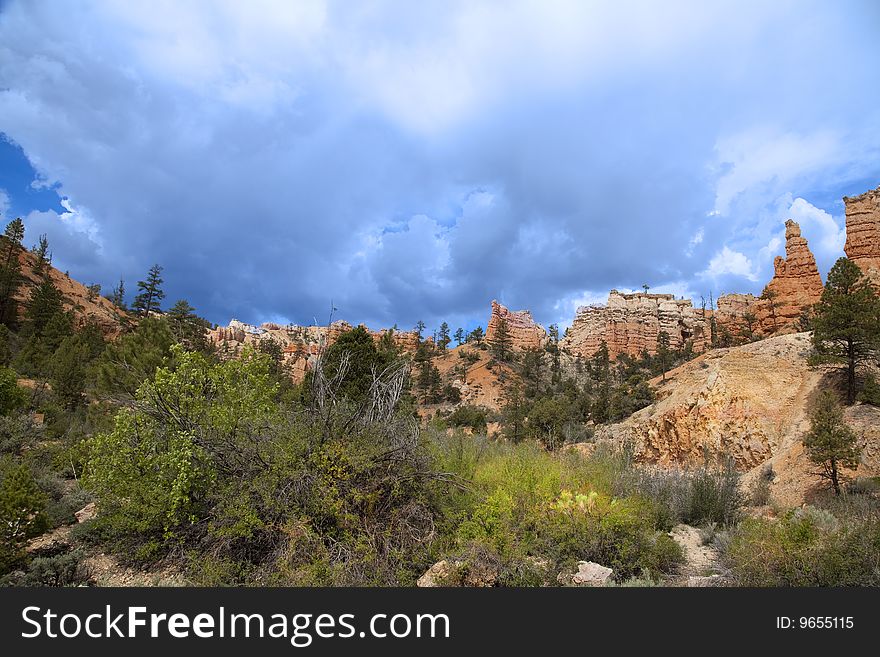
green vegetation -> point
(830, 443)
(846, 323)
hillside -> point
(85, 305)
(750, 402)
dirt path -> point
(702, 566)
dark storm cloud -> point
(416, 163)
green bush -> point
(807, 547)
(22, 511)
(12, 397)
(473, 417)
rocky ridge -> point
(522, 330)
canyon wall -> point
(522, 330)
(631, 323)
(863, 232)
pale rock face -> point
(863, 232)
(523, 331)
(588, 573)
(631, 323)
(300, 345)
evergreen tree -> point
(150, 293)
(420, 328)
(10, 271)
(664, 354)
(443, 339)
(459, 336)
(532, 371)
(476, 335)
(363, 359)
(68, 371)
(44, 258)
(187, 327)
(117, 297)
(846, 325)
(129, 361)
(830, 443)
(500, 344)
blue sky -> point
(416, 160)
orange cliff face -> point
(632, 323)
(524, 333)
(796, 285)
(863, 232)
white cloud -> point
(695, 240)
(761, 155)
(4, 202)
(831, 231)
(729, 262)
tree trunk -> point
(835, 479)
(850, 374)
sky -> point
(413, 161)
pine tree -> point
(44, 258)
(10, 272)
(500, 343)
(117, 297)
(476, 335)
(664, 355)
(443, 339)
(68, 371)
(187, 327)
(459, 336)
(846, 325)
(150, 293)
(830, 442)
(420, 327)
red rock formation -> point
(523, 331)
(631, 323)
(863, 232)
(300, 345)
(796, 285)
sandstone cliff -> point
(524, 333)
(300, 345)
(750, 402)
(631, 323)
(863, 232)
(796, 285)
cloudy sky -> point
(416, 160)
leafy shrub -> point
(807, 547)
(22, 510)
(12, 397)
(473, 417)
(63, 569)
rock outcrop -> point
(796, 285)
(863, 232)
(749, 402)
(745, 402)
(522, 330)
(631, 324)
(300, 345)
